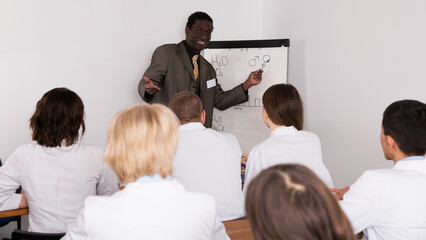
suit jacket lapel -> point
(203, 71)
(185, 59)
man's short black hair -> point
(405, 122)
(198, 16)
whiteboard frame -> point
(250, 43)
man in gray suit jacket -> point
(180, 67)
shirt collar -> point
(283, 130)
(413, 158)
(154, 178)
(60, 149)
(189, 50)
(192, 126)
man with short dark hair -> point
(390, 203)
(180, 67)
(207, 161)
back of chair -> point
(25, 235)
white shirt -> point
(56, 181)
(389, 203)
(287, 145)
(210, 162)
(148, 210)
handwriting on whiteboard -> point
(221, 61)
(256, 62)
(217, 123)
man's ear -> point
(391, 142)
(264, 114)
(186, 31)
(203, 117)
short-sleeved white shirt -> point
(389, 203)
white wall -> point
(350, 60)
(97, 48)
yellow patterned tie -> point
(194, 62)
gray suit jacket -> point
(172, 71)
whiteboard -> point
(233, 61)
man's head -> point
(198, 30)
(404, 129)
(187, 107)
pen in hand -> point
(263, 65)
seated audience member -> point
(390, 203)
(207, 161)
(56, 171)
(288, 143)
(288, 201)
(141, 145)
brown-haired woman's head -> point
(58, 117)
(283, 105)
(141, 141)
(289, 201)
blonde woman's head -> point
(142, 140)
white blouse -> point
(149, 210)
(287, 145)
(56, 181)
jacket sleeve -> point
(156, 72)
(226, 99)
